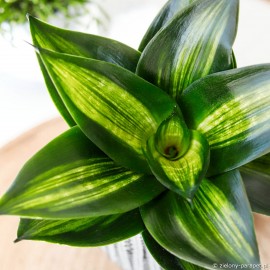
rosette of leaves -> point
(157, 139)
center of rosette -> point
(172, 138)
(178, 156)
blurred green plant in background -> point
(12, 12)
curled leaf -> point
(172, 138)
(183, 175)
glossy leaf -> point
(95, 231)
(259, 166)
(166, 260)
(258, 190)
(184, 174)
(55, 95)
(80, 44)
(216, 228)
(171, 8)
(231, 109)
(256, 176)
(172, 138)
(195, 43)
(116, 109)
(72, 178)
(234, 62)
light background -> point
(24, 102)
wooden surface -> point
(32, 255)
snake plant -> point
(162, 141)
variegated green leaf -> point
(259, 166)
(231, 109)
(95, 231)
(195, 43)
(184, 173)
(55, 95)
(216, 229)
(172, 138)
(258, 190)
(256, 176)
(115, 108)
(234, 62)
(171, 8)
(166, 260)
(72, 178)
(81, 44)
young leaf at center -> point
(182, 174)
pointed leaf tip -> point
(168, 11)
(81, 44)
(72, 178)
(32, 45)
(84, 232)
(86, 45)
(17, 240)
(195, 43)
(205, 235)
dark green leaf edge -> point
(86, 232)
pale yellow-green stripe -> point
(189, 266)
(184, 171)
(243, 116)
(107, 104)
(52, 227)
(61, 185)
(60, 44)
(190, 65)
(210, 201)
